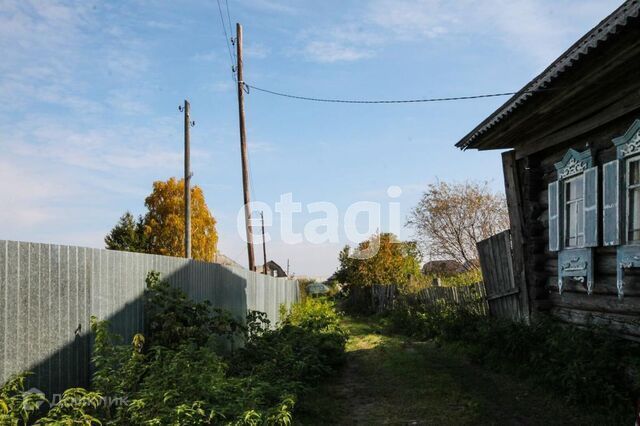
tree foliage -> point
(127, 235)
(177, 374)
(394, 262)
(161, 229)
(451, 218)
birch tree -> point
(451, 218)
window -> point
(633, 199)
(574, 212)
(573, 217)
(621, 204)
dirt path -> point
(389, 379)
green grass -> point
(390, 379)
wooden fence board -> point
(503, 294)
(384, 297)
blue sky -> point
(90, 92)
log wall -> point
(535, 172)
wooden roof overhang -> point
(593, 82)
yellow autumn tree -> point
(164, 222)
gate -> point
(496, 261)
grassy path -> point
(389, 379)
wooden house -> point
(572, 178)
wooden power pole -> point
(187, 179)
(264, 245)
(243, 149)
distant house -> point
(273, 269)
(226, 261)
(572, 178)
(442, 267)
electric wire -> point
(226, 3)
(387, 101)
(226, 39)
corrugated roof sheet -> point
(609, 26)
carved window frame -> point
(617, 180)
(574, 261)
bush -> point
(174, 375)
(15, 405)
(308, 345)
(586, 367)
(172, 319)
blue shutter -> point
(591, 207)
(610, 201)
(554, 225)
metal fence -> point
(49, 292)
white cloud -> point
(256, 50)
(127, 103)
(333, 51)
(539, 31)
(161, 25)
(260, 146)
(221, 86)
(208, 56)
(410, 20)
(272, 6)
(126, 62)
(27, 192)
(106, 149)
(342, 43)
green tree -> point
(127, 235)
(161, 229)
(382, 259)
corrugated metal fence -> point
(48, 293)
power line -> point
(226, 3)
(226, 39)
(385, 101)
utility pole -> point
(243, 149)
(264, 245)
(187, 177)
(287, 267)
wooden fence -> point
(503, 295)
(386, 297)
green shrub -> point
(174, 376)
(190, 385)
(586, 367)
(77, 406)
(472, 276)
(20, 407)
(172, 319)
(17, 406)
(308, 345)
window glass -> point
(633, 200)
(574, 209)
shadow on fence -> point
(48, 294)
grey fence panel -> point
(502, 294)
(4, 295)
(259, 303)
(48, 294)
(11, 327)
(43, 311)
